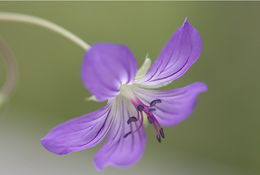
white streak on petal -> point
(118, 150)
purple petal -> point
(79, 133)
(177, 56)
(105, 67)
(117, 150)
(176, 105)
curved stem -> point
(5, 16)
(10, 82)
(11, 75)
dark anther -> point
(158, 138)
(140, 107)
(127, 134)
(154, 102)
(131, 119)
(162, 133)
(151, 109)
(150, 120)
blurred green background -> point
(221, 136)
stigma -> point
(148, 110)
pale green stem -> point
(9, 59)
(5, 16)
(11, 75)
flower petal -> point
(177, 56)
(105, 67)
(118, 150)
(79, 133)
(176, 105)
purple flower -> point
(109, 72)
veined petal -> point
(79, 133)
(105, 67)
(118, 150)
(177, 56)
(176, 105)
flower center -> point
(126, 91)
(148, 110)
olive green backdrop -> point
(221, 136)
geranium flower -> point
(109, 72)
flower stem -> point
(6, 16)
(11, 75)
(11, 79)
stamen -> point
(127, 134)
(148, 110)
(141, 122)
(150, 120)
(140, 107)
(140, 116)
(162, 133)
(131, 119)
(151, 109)
(154, 102)
(158, 137)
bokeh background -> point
(220, 138)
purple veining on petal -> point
(79, 133)
(168, 76)
(177, 56)
(118, 150)
(176, 105)
(105, 67)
